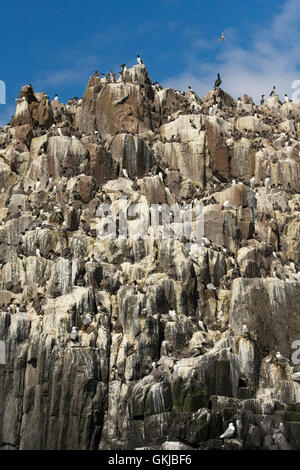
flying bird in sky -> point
(222, 37)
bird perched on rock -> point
(218, 81)
(281, 358)
(20, 100)
(292, 266)
(139, 60)
(286, 98)
(296, 377)
(273, 91)
(227, 205)
(87, 320)
(229, 432)
(37, 184)
(222, 37)
(267, 183)
(245, 330)
(55, 97)
(252, 182)
(74, 333)
(262, 100)
(173, 314)
(202, 325)
(125, 173)
(210, 286)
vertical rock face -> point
(144, 336)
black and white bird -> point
(218, 81)
(267, 183)
(281, 358)
(74, 333)
(262, 100)
(286, 98)
(229, 432)
(210, 286)
(296, 377)
(227, 205)
(245, 329)
(20, 100)
(173, 314)
(139, 60)
(87, 320)
(37, 184)
(125, 174)
(222, 37)
(273, 92)
(292, 266)
(55, 97)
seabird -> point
(281, 358)
(273, 91)
(252, 182)
(229, 432)
(210, 286)
(125, 173)
(153, 366)
(286, 98)
(56, 98)
(296, 377)
(202, 325)
(222, 37)
(20, 100)
(87, 320)
(74, 333)
(267, 183)
(218, 81)
(292, 266)
(262, 100)
(37, 184)
(53, 191)
(38, 253)
(227, 205)
(139, 60)
(172, 314)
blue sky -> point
(57, 45)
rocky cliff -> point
(149, 342)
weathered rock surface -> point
(157, 358)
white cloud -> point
(272, 57)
